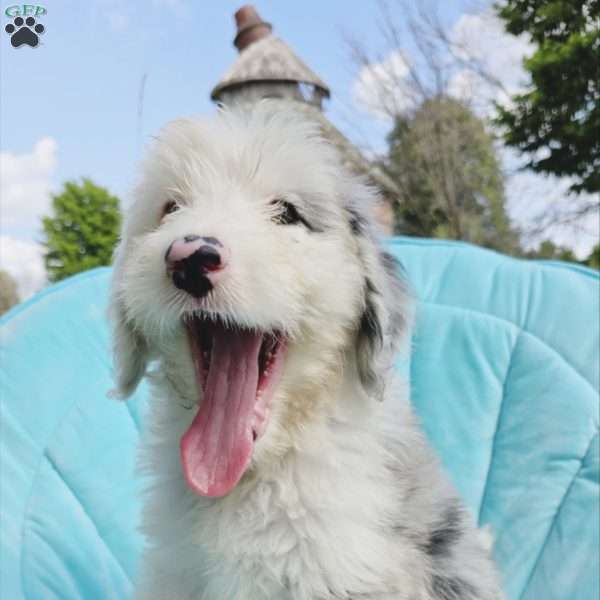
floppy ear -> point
(130, 352)
(386, 316)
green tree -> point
(548, 250)
(593, 260)
(8, 292)
(83, 230)
(557, 120)
(451, 185)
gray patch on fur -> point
(384, 321)
(370, 335)
(396, 278)
(358, 223)
(446, 534)
(392, 265)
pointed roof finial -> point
(250, 27)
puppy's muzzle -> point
(195, 263)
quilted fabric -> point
(504, 374)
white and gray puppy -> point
(250, 280)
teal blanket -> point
(504, 374)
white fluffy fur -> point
(333, 506)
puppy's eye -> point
(287, 214)
(170, 207)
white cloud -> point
(480, 40)
(476, 40)
(24, 261)
(25, 188)
(25, 185)
(382, 88)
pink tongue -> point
(217, 448)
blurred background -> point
(479, 121)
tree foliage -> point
(593, 260)
(8, 292)
(548, 250)
(444, 163)
(557, 120)
(83, 230)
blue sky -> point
(80, 87)
(69, 107)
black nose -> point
(207, 257)
(191, 260)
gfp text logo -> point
(25, 10)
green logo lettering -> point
(12, 11)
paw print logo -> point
(24, 31)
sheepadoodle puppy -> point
(250, 290)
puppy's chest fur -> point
(276, 543)
(319, 525)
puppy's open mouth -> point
(237, 370)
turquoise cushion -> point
(504, 375)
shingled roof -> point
(268, 60)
